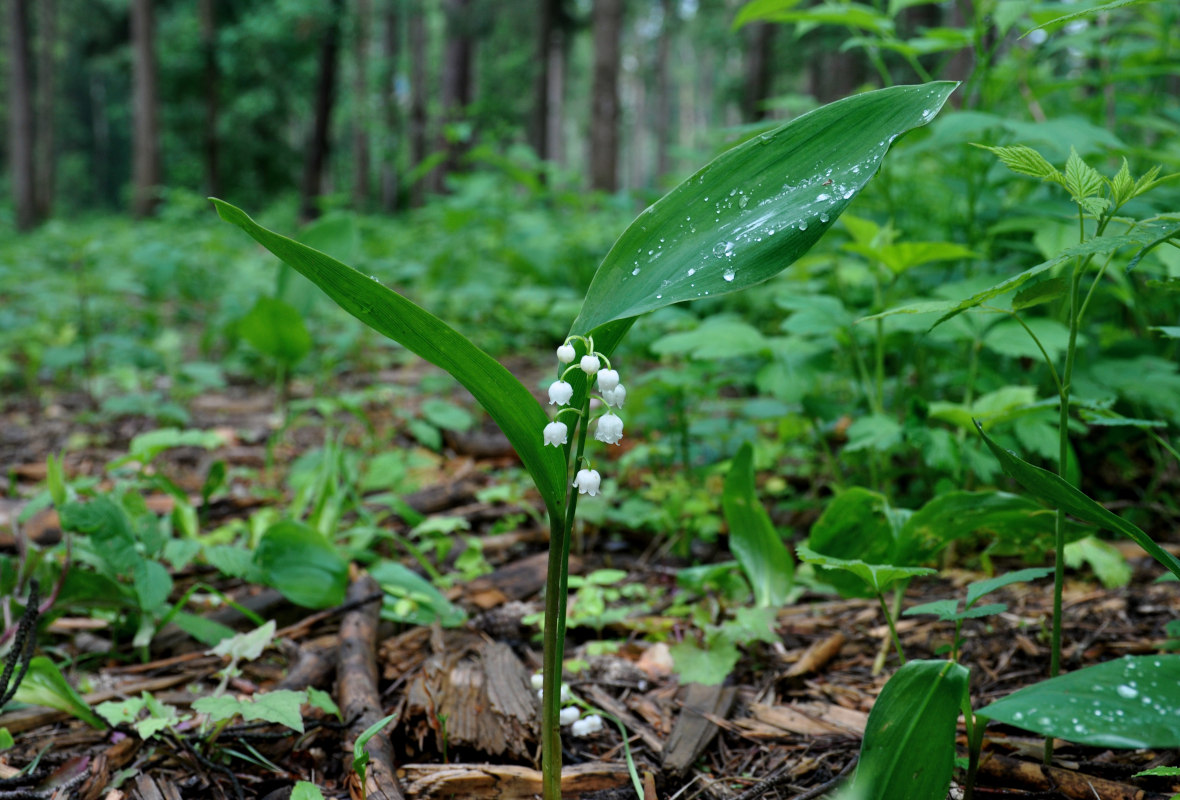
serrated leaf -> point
(710, 666)
(1122, 185)
(1040, 292)
(1093, 11)
(247, 646)
(323, 701)
(1094, 206)
(945, 610)
(1129, 703)
(281, 707)
(978, 589)
(755, 209)
(1025, 161)
(1148, 181)
(1080, 179)
(1104, 558)
(1052, 489)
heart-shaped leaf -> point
(756, 208)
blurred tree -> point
(319, 147)
(207, 11)
(390, 116)
(759, 71)
(604, 100)
(554, 25)
(418, 119)
(44, 149)
(21, 130)
(662, 128)
(146, 135)
(454, 137)
(361, 153)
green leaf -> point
(850, 14)
(752, 538)
(323, 701)
(447, 416)
(247, 646)
(878, 432)
(954, 515)
(1093, 11)
(306, 791)
(55, 479)
(978, 589)
(908, 751)
(762, 10)
(1040, 292)
(755, 209)
(709, 666)
(878, 577)
(299, 562)
(1103, 557)
(275, 329)
(1081, 179)
(153, 584)
(716, 337)
(145, 447)
(1122, 185)
(1132, 702)
(360, 756)
(412, 598)
(280, 706)
(43, 685)
(6, 740)
(509, 403)
(1057, 492)
(902, 256)
(1025, 161)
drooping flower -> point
(565, 353)
(608, 379)
(560, 393)
(587, 726)
(610, 429)
(615, 396)
(590, 364)
(569, 715)
(588, 481)
(556, 434)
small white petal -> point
(565, 353)
(537, 680)
(570, 715)
(588, 481)
(608, 379)
(587, 726)
(556, 434)
(610, 429)
(560, 393)
(616, 396)
(589, 364)
(566, 694)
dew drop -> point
(802, 226)
(743, 201)
(691, 271)
(722, 248)
(728, 275)
(823, 217)
(635, 271)
(822, 197)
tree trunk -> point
(20, 117)
(360, 114)
(604, 103)
(458, 57)
(44, 154)
(207, 11)
(759, 73)
(662, 126)
(325, 98)
(417, 36)
(833, 74)
(553, 26)
(146, 135)
(389, 110)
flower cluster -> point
(609, 429)
(571, 715)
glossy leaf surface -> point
(509, 403)
(1131, 702)
(909, 745)
(752, 538)
(755, 209)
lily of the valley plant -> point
(737, 222)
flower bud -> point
(610, 429)
(565, 353)
(589, 364)
(560, 393)
(556, 434)
(588, 481)
(570, 715)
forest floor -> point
(786, 724)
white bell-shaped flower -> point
(587, 726)
(569, 715)
(615, 396)
(566, 353)
(608, 379)
(610, 429)
(556, 434)
(588, 481)
(560, 393)
(589, 364)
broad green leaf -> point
(303, 790)
(752, 538)
(146, 446)
(901, 256)
(945, 610)
(275, 329)
(447, 416)
(108, 529)
(755, 209)
(878, 577)
(878, 432)
(716, 337)
(411, 598)
(299, 562)
(509, 403)
(762, 10)
(709, 666)
(323, 701)
(6, 739)
(1057, 492)
(1170, 331)
(1040, 292)
(43, 685)
(1103, 557)
(908, 751)
(280, 706)
(1093, 11)
(1132, 702)
(153, 584)
(360, 756)
(953, 515)
(854, 15)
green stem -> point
(892, 627)
(556, 592)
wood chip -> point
(817, 656)
(505, 782)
